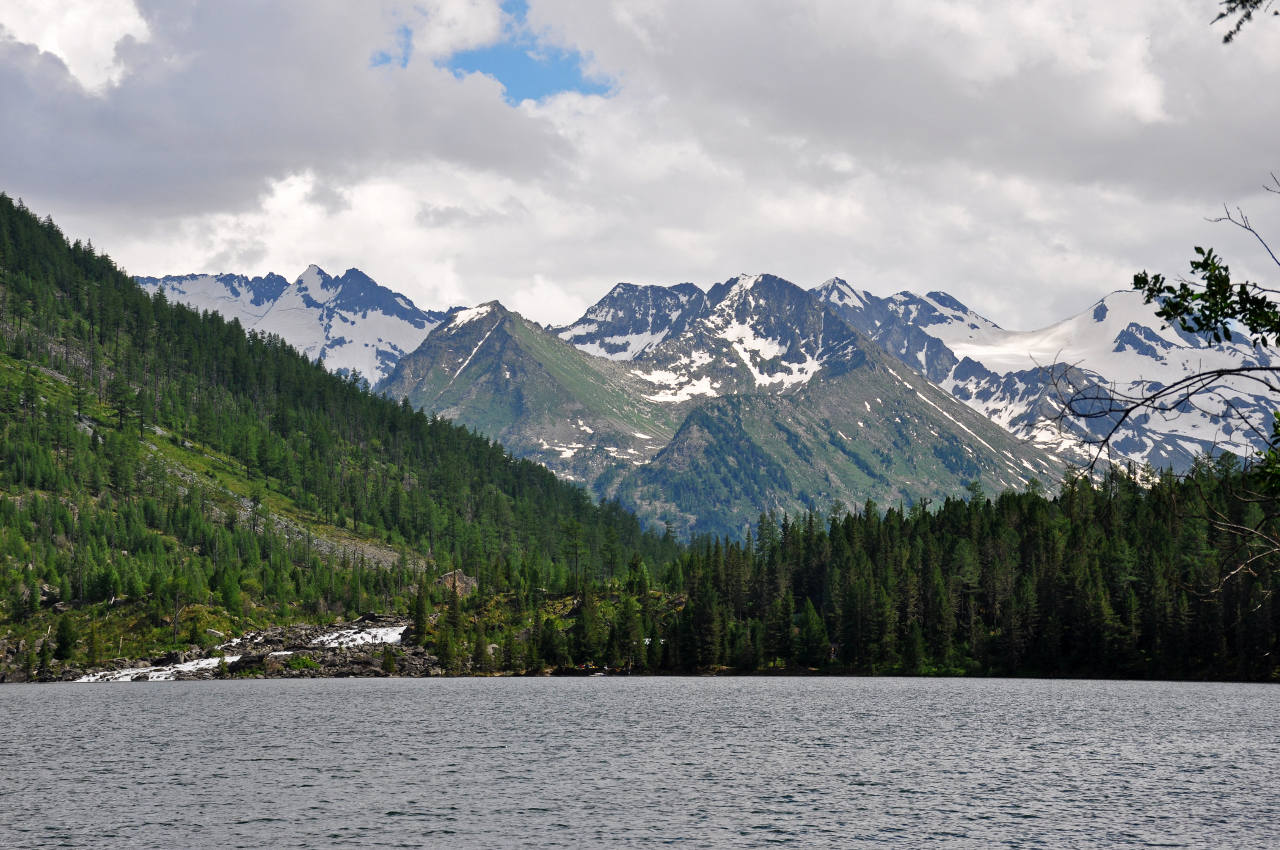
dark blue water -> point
(640, 762)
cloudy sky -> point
(1026, 157)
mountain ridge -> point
(763, 371)
(1114, 348)
(353, 323)
(672, 347)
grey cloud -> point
(452, 215)
(328, 197)
(741, 79)
(239, 256)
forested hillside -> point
(154, 454)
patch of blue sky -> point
(403, 50)
(527, 69)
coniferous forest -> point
(167, 480)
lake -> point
(640, 762)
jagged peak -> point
(745, 282)
(620, 288)
(740, 285)
(942, 299)
(313, 276)
(355, 275)
(467, 315)
(627, 289)
(840, 292)
(936, 308)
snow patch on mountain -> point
(755, 351)
(682, 390)
(744, 341)
(631, 320)
(676, 386)
(623, 346)
(470, 314)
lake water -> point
(638, 762)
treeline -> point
(1106, 579)
(1110, 579)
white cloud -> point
(1026, 157)
(84, 34)
(550, 301)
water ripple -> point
(640, 763)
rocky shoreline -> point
(372, 646)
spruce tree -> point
(812, 645)
(94, 653)
(66, 638)
(46, 657)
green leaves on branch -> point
(1212, 307)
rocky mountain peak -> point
(632, 319)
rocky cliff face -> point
(632, 319)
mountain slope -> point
(863, 429)
(1017, 378)
(351, 322)
(584, 417)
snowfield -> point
(166, 673)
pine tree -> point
(480, 658)
(420, 616)
(590, 629)
(455, 609)
(446, 651)
(913, 657)
(66, 638)
(46, 657)
(94, 653)
(812, 645)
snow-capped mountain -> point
(755, 333)
(576, 413)
(702, 408)
(631, 319)
(350, 321)
(757, 396)
(1019, 379)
